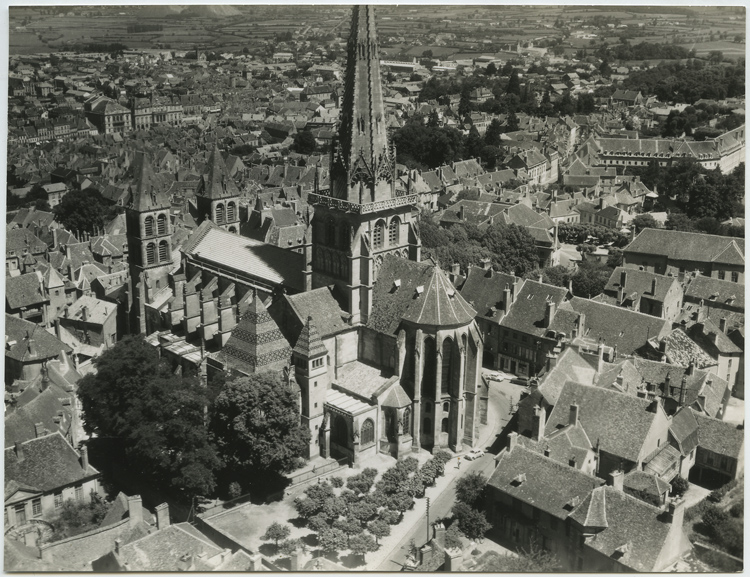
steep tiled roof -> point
(483, 290)
(620, 423)
(438, 303)
(246, 256)
(684, 430)
(689, 246)
(711, 339)
(639, 281)
(715, 292)
(19, 332)
(319, 304)
(546, 484)
(18, 239)
(25, 290)
(527, 312)
(617, 327)
(636, 532)
(256, 343)
(46, 409)
(720, 437)
(647, 483)
(309, 344)
(681, 350)
(570, 366)
(148, 191)
(97, 311)
(48, 462)
(216, 181)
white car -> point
(474, 454)
(496, 376)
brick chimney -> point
(676, 512)
(600, 354)
(135, 510)
(723, 325)
(438, 531)
(162, 516)
(690, 367)
(551, 360)
(573, 415)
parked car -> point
(523, 381)
(496, 376)
(474, 454)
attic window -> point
(420, 289)
(518, 479)
(531, 296)
(451, 293)
(573, 503)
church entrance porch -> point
(349, 428)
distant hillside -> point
(160, 11)
(210, 12)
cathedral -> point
(384, 353)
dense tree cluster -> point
(510, 247)
(674, 81)
(156, 417)
(422, 146)
(140, 27)
(643, 51)
(84, 211)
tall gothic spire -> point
(363, 164)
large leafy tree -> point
(512, 247)
(256, 426)
(471, 522)
(470, 488)
(82, 211)
(157, 417)
(304, 142)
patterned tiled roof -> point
(309, 344)
(438, 304)
(256, 343)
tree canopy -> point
(256, 427)
(158, 417)
(83, 211)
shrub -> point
(679, 486)
(442, 457)
(337, 482)
(235, 490)
(737, 509)
(713, 519)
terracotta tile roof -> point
(640, 282)
(689, 246)
(546, 484)
(48, 462)
(681, 350)
(619, 423)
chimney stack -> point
(573, 415)
(549, 313)
(512, 441)
(38, 430)
(600, 354)
(653, 287)
(723, 325)
(683, 387)
(506, 299)
(162, 516)
(616, 479)
(118, 544)
(551, 360)
(690, 367)
(540, 419)
(85, 458)
(623, 278)
(19, 452)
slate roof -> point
(681, 350)
(638, 526)
(571, 366)
(483, 290)
(619, 423)
(526, 314)
(711, 339)
(18, 239)
(97, 311)
(548, 486)
(19, 331)
(256, 343)
(644, 482)
(689, 246)
(48, 462)
(216, 182)
(720, 437)
(25, 290)
(45, 408)
(148, 191)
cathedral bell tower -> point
(363, 215)
(149, 234)
(217, 195)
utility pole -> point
(428, 519)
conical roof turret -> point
(309, 344)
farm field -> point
(729, 49)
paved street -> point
(393, 553)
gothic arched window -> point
(407, 421)
(161, 224)
(148, 226)
(163, 251)
(377, 234)
(393, 230)
(446, 364)
(428, 373)
(368, 432)
(150, 253)
(331, 232)
(444, 425)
